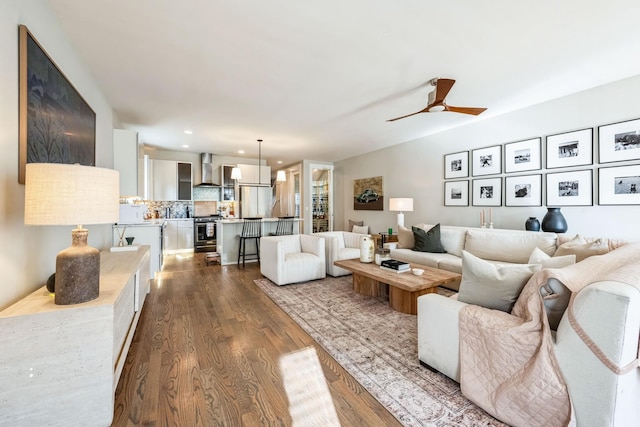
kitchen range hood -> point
(206, 163)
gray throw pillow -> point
(352, 223)
(492, 286)
(428, 241)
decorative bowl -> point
(417, 271)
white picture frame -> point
(456, 165)
(523, 156)
(523, 190)
(619, 185)
(456, 193)
(570, 149)
(487, 161)
(619, 142)
(487, 192)
(574, 188)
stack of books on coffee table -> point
(395, 266)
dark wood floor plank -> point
(206, 352)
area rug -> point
(378, 347)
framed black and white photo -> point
(619, 141)
(487, 192)
(619, 185)
(456, 193)
(522, 156)
(570, 149)
(523, 190)
(573, 188)
(487, 161)
(456, 165)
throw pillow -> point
(405, 238)
(538, 256)
(352, 223)
(360, 229)
(556, 298)
(490, 285)
(428, 241)
(583, 249)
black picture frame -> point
(571, 188)
(570, 149)
(523, 190)
(56, 124)
(487, 161)
(456, 193)
(522, 156)
(619, 142)
(487, 192)
(619, 185)
(456, 165)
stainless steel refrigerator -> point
(255, 201)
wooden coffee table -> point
(403, 288)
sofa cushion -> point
(492, 286)
(405, 238)
(583, 249)
(427, 241)
(354, 223)
(514, 246)
(539, 257)
(360, 229)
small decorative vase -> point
(367, 247)
(129, 240)
(532, 224)
(554, 221)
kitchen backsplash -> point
(176, 209)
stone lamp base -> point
(77, 271)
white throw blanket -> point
(508, 365)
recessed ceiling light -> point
(185, 146)
(279, 162)
(240, 151)
(188, 132)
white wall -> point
(27, 254)
(415, 169)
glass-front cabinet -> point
(320, 200)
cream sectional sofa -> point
(498, 246)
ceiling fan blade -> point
(408, 115)
(464, 110)
(443, 86)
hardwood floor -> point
(206, 353)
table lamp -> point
(62, 194)
(400, 205)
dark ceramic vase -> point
(532, 224)
(554, 221)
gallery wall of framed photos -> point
(512, 174)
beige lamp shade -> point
(62, 194)
(281, 176)
(401, 204)
(236, 173)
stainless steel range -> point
(204, 226)
(204, 233)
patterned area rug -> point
(378, 347)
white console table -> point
(60, 364)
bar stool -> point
(284, 226)
(251, 230)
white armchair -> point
(340, 245)
(292, 258)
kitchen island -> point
(229, 230)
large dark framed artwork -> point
(56, 123)
(619, 142)
(367, 194)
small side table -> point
(385, 237)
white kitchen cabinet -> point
(127, 162)
(255, 174)
(178, 235)
(60, 364)
(171, 180)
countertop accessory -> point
(61, 194)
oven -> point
(204, 233)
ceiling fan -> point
(436, 100)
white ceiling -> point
(318, 80)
